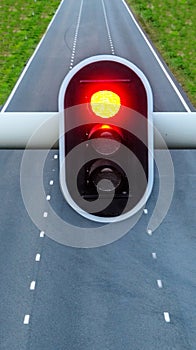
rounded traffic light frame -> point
(106, 109)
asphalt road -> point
(137, 293)
(99, 27)
(113, 297)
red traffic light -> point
(106, 143)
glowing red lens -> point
(105, 103)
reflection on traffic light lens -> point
(105, 175)
(106, 140)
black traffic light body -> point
(106, 138)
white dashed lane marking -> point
(149, 232)
(32, 285)
(167, 317)
(42, 234)
(76, 36)
(26, 319)
(159, 283)
(37, 257)
(108, 29)
(160, 286)
(154, 255)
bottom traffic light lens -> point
(102, 179)
(105, 176)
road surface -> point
(86, 28)
(120, 296)
(137, 293)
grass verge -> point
(22, 24)
(171, 26)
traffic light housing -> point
(106, 138)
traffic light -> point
(106, 138)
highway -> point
(104, 298)
(99, 27)
(137, 293)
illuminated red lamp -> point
(105, 103)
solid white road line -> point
(30, 60)
(158, 59)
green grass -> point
(22, 24)
(170, 24)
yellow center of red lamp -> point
(105, 104)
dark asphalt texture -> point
(103, 298)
